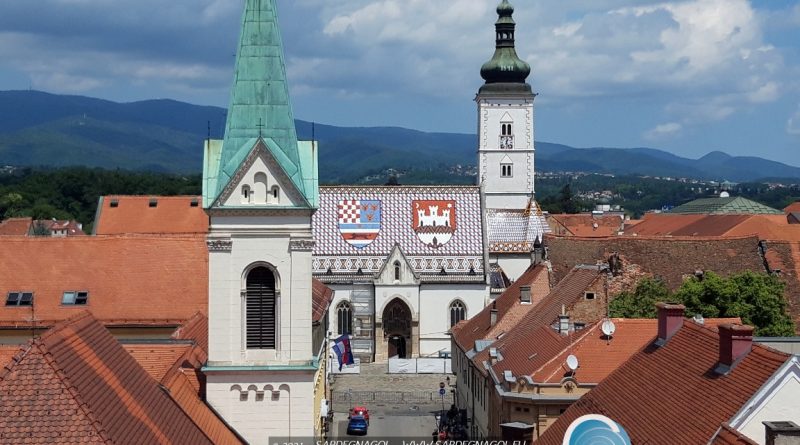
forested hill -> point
(40, 129)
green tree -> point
(641, 303)
(758, 299)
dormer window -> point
(19, 299)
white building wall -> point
(514, 265)
(259, 418)
(506, 192)
(434, 317)
(777, 400)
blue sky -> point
(688, 76)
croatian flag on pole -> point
(343, 352)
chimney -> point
(525, 294)
(782, 433)
(735, 342)
(493, 314)
(670, 320)
(563, 324)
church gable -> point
(397, 270)
(260, 181)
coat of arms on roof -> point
(434, 221)
(359, 221)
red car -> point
(359, 411)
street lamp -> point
(442, 392)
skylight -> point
(19, 299)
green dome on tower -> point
(505, 72)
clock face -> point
(506, 142)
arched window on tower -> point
(397, 271)
(276, 194)
(246, 194)
(458, 312)
(344, 318)
(261, 309)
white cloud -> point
(663, 131)
(766, 93)
(793, 126)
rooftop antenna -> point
(313, 132)
(209, 130)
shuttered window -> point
(261, 309)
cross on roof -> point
(260, 127)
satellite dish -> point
(572, 362)
(608, 328)
(724, 195)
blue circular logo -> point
(594, 429)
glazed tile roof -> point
(134, 214)
(669, 395)
(77, 384)
(461, 251)
(730, 205)
(586, 225)
(15, 227)
(514, 231)
(479, 327)
(599, 356)
(130, 280)
(321, 298)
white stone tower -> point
(260, 190)
(505, 122)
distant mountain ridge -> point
(41, 129)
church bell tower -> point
(505, 122)
(260, 190)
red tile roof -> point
(134, 214)
(784, 256)
(586, 225)
(147, 280)
(770, 227)
(76, 383)
(157, 359)
(15, 227)
(533, 336)
(321, 296)
(479, 326)
(195, 329)
(793, 207)
(671, 394)
(599, 356)
(729, 436)
(72, 228)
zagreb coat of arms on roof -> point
(434, 221)
(359, 221)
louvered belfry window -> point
(261, 309)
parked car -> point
(360, 411)
(357, 425)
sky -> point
(686, 76)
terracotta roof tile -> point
(8, 352)
(157, 359)
(727, 435)
(585, 225)
(195, 329)
(784, 256)
(478, 327)
(671, 394)
(793, 207)
(15, 227)
(134, 214)
(322, 296)
(152, 280)
(599, 356)
(533, 341)
(769, 227)
(96, 388)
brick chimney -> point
(735, 342)
(525, 294)
(670, 320)
(782, 433)
(493, 314)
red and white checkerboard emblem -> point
(359, 221)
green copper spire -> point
(259, 106)
(505, 72)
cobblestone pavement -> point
(395, 394)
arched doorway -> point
(397, 329)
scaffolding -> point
(363, 340)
